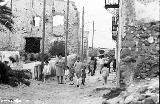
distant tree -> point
(5, 16)
(101, 51)
(93, 53)
(57, 47)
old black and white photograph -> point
(79, 51)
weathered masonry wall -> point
(140, 41)
(25, 10)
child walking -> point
(105, 72)
(83, 75)
(46, 70)
(78, 67)
(71, 75)
(66, 73)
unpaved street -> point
(52, 93)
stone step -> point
(111, 78)
(112, 75)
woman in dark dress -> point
(91, 64)
(114, 65)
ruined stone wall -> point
(140, 44)
(60, 9)
(25, 10)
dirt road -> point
(52, 93)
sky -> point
(95, 11)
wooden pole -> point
(53, 14)
(9, 31)
(82, 32)
(93, 36)
(11, 4)
(119, 43)
(78, 50)
(43, 35)
(67, 31)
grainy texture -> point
(24, 11)
(140, 45)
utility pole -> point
(119, 43)
(9, 31)
(93, 36)
(82, 32)
(53, 14)
(43, 35)
(67, 33)
(11, 4)
(78, 50)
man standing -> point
(114, 65)
(95, 66)
(101, 62)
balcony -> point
(111, 4)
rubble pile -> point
(17, 77)
(143, 93)
(14, 77)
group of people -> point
(64, 73)
(73, 69)
(77, 69)
(92, 66)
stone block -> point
(144, 35)
(136, 102)
(149, 31)
(125, 52)
(149, 101)
(128, 59)
(146, 43)
(132, 98)
(105, 102)
(129, 36)
(139, 44)
(142, 89)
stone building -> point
(28, 23)
(140, 29)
